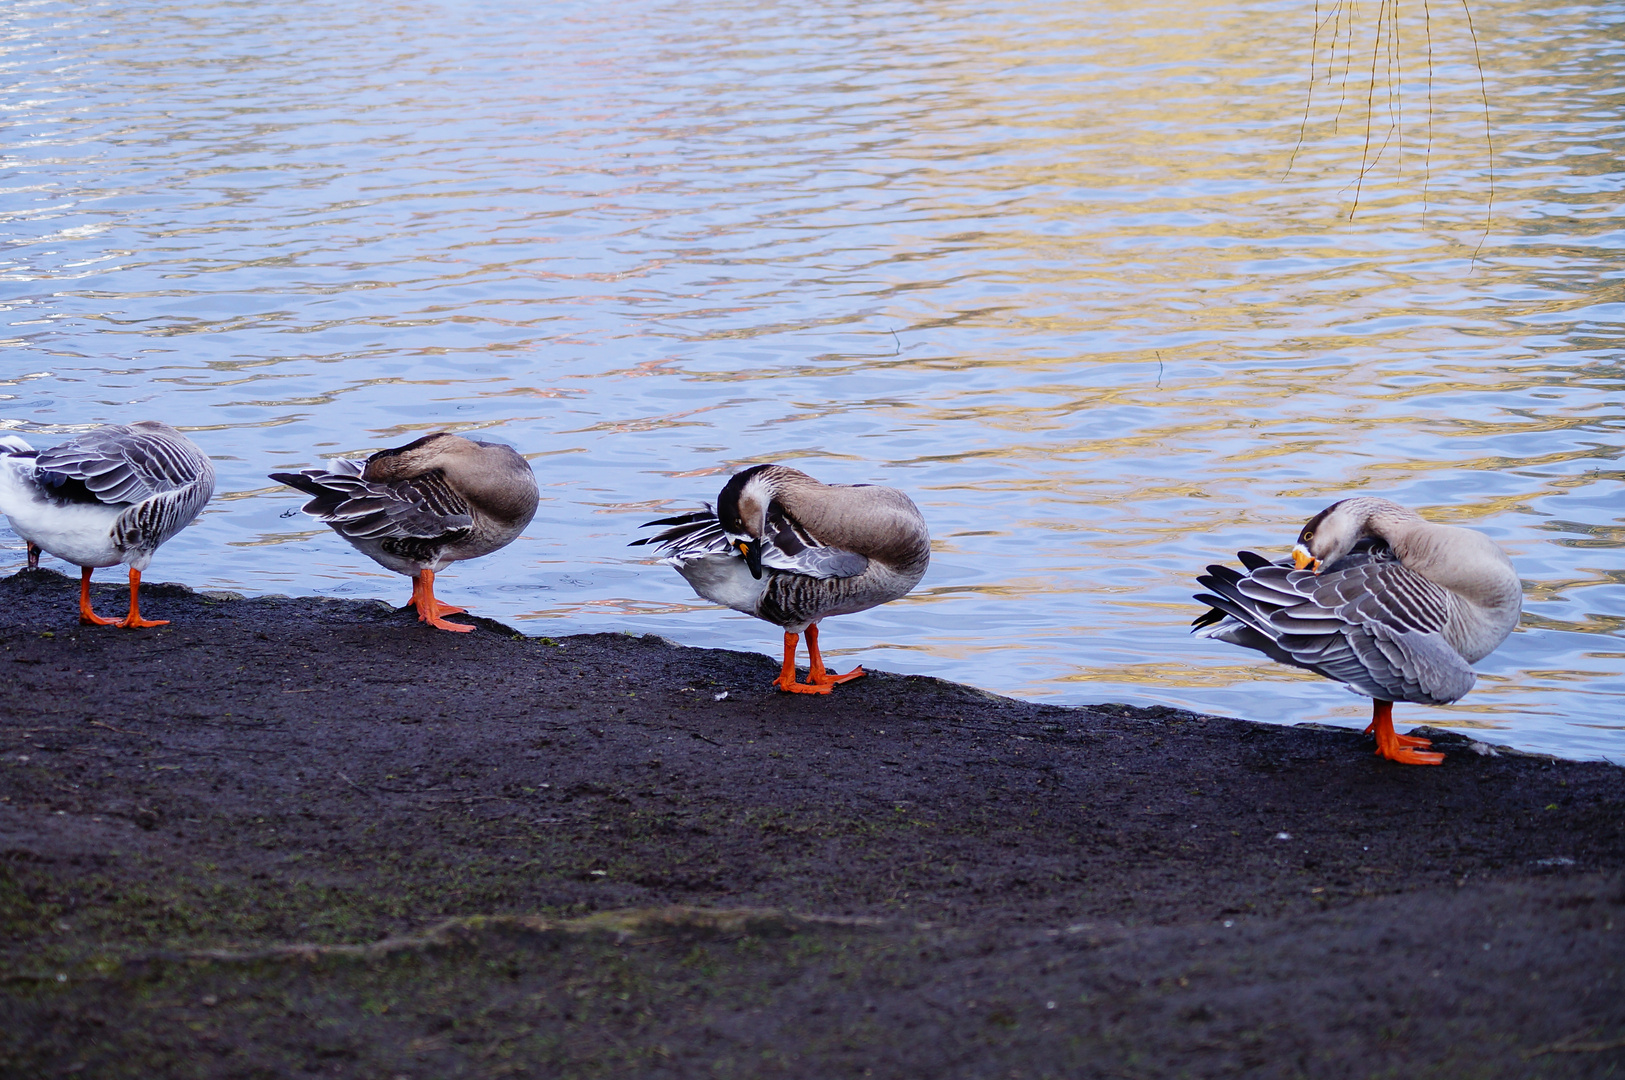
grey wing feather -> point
(423, 507)
(786, 548)
(347, 466)
(1383, 594)
(816, 562)
(165, 482)
(1367, 622)
(694, 535)
(151, 521)
(119, 466)
(789, 547)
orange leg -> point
(816, 674)
(134, 621)
(787, 673)
(440, 608)
(1403, 740)
(87, 616)
(1400, 748)
(431, 610)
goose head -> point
(1332, 533)
(742, 508)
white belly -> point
(723, 579)
(80, 533)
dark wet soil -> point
(286, 838)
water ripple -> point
(1092, 285)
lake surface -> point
(1102, 285)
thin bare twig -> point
(355, 785)
(1370, 103)
(1571, 1044)
(1484, 95)
(1427, 154)
(110, 727)
(1309, 95)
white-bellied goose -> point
(420, 507)
(1378, 598)
(788, 549)
(109, 496)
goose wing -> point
(785, 545)
(118, 466)
(788, 546)
(163, 480)
(1367, 621)
(423, 507)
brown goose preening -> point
(1378, 598)
(420, 507)
(790, 550)
(109, 496)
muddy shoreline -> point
(288, 837)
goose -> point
(790, 550)
(1376, 597)
(416, 509)
(111, 495)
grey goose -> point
(415, 509)
(111, 495)
(1378, 598)
(792, 551)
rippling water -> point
(1094, 282)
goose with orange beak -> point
(791, 550)
(1378, 598)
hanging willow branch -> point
(1340, 25)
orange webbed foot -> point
(134, 621)
(817, 673)
(90, 618)
(787, 672)
(829, 678)
(433, 611)
(1403, 740)
(793, 687)
(1406, 755)
(1394, 746)
(441, 624)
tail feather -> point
(328, 499)
(692, 535)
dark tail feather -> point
(304, 483)
(325, 500)
(1252, 560)
(683, 525)
(692, 517)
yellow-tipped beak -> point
(753, 556)
(1303, 560)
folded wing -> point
(785, 545)
(1366, 621)
(424, 507)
